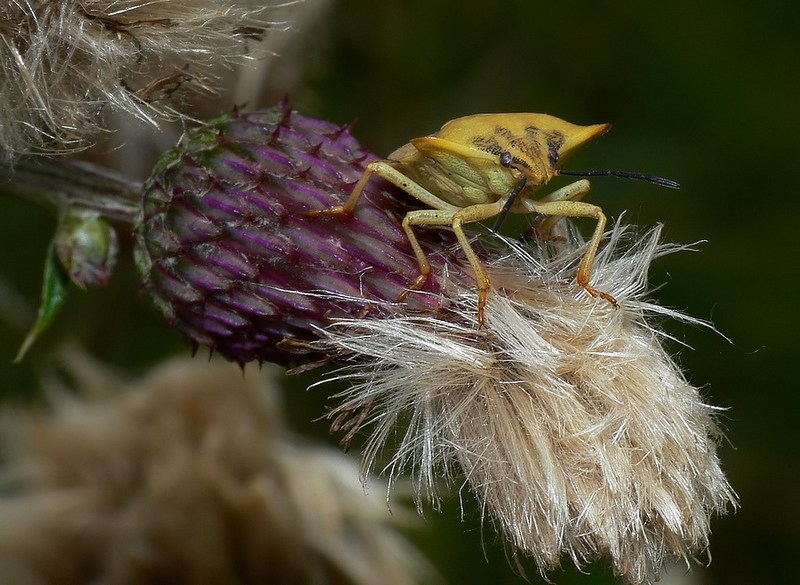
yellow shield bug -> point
(486, 165)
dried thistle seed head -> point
(186, 476)
(233, 257)
(574, 428)
(65, 63)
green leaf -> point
(54, 293)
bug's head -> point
(541, 144)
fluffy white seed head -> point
(569, 421)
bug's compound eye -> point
(552, 155)
(506, 158)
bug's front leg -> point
(573, 192)
(570, 207)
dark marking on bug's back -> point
(529, 144)
(504, 132)
(487, 144)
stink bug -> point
(486, 165)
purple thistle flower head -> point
(233, 257)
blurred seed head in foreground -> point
(185, 477)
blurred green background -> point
(704, 93)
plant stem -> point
(59, 184)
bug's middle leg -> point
(455, 219)
(435, 217)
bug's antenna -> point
(509, 202)
(625, 175)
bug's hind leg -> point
(350, 204)
(386, 170)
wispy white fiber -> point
(66, 63)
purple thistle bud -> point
(233, 257)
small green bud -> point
(86, 245)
